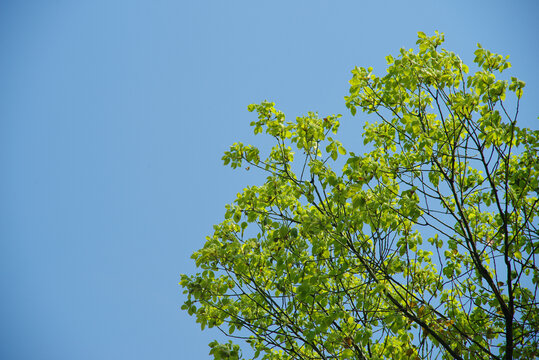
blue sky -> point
(114, 116)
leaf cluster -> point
(423, 248)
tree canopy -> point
(422, 247)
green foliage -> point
(327, 258)
(228, 351)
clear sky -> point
(114, 115)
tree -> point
(424, 247)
